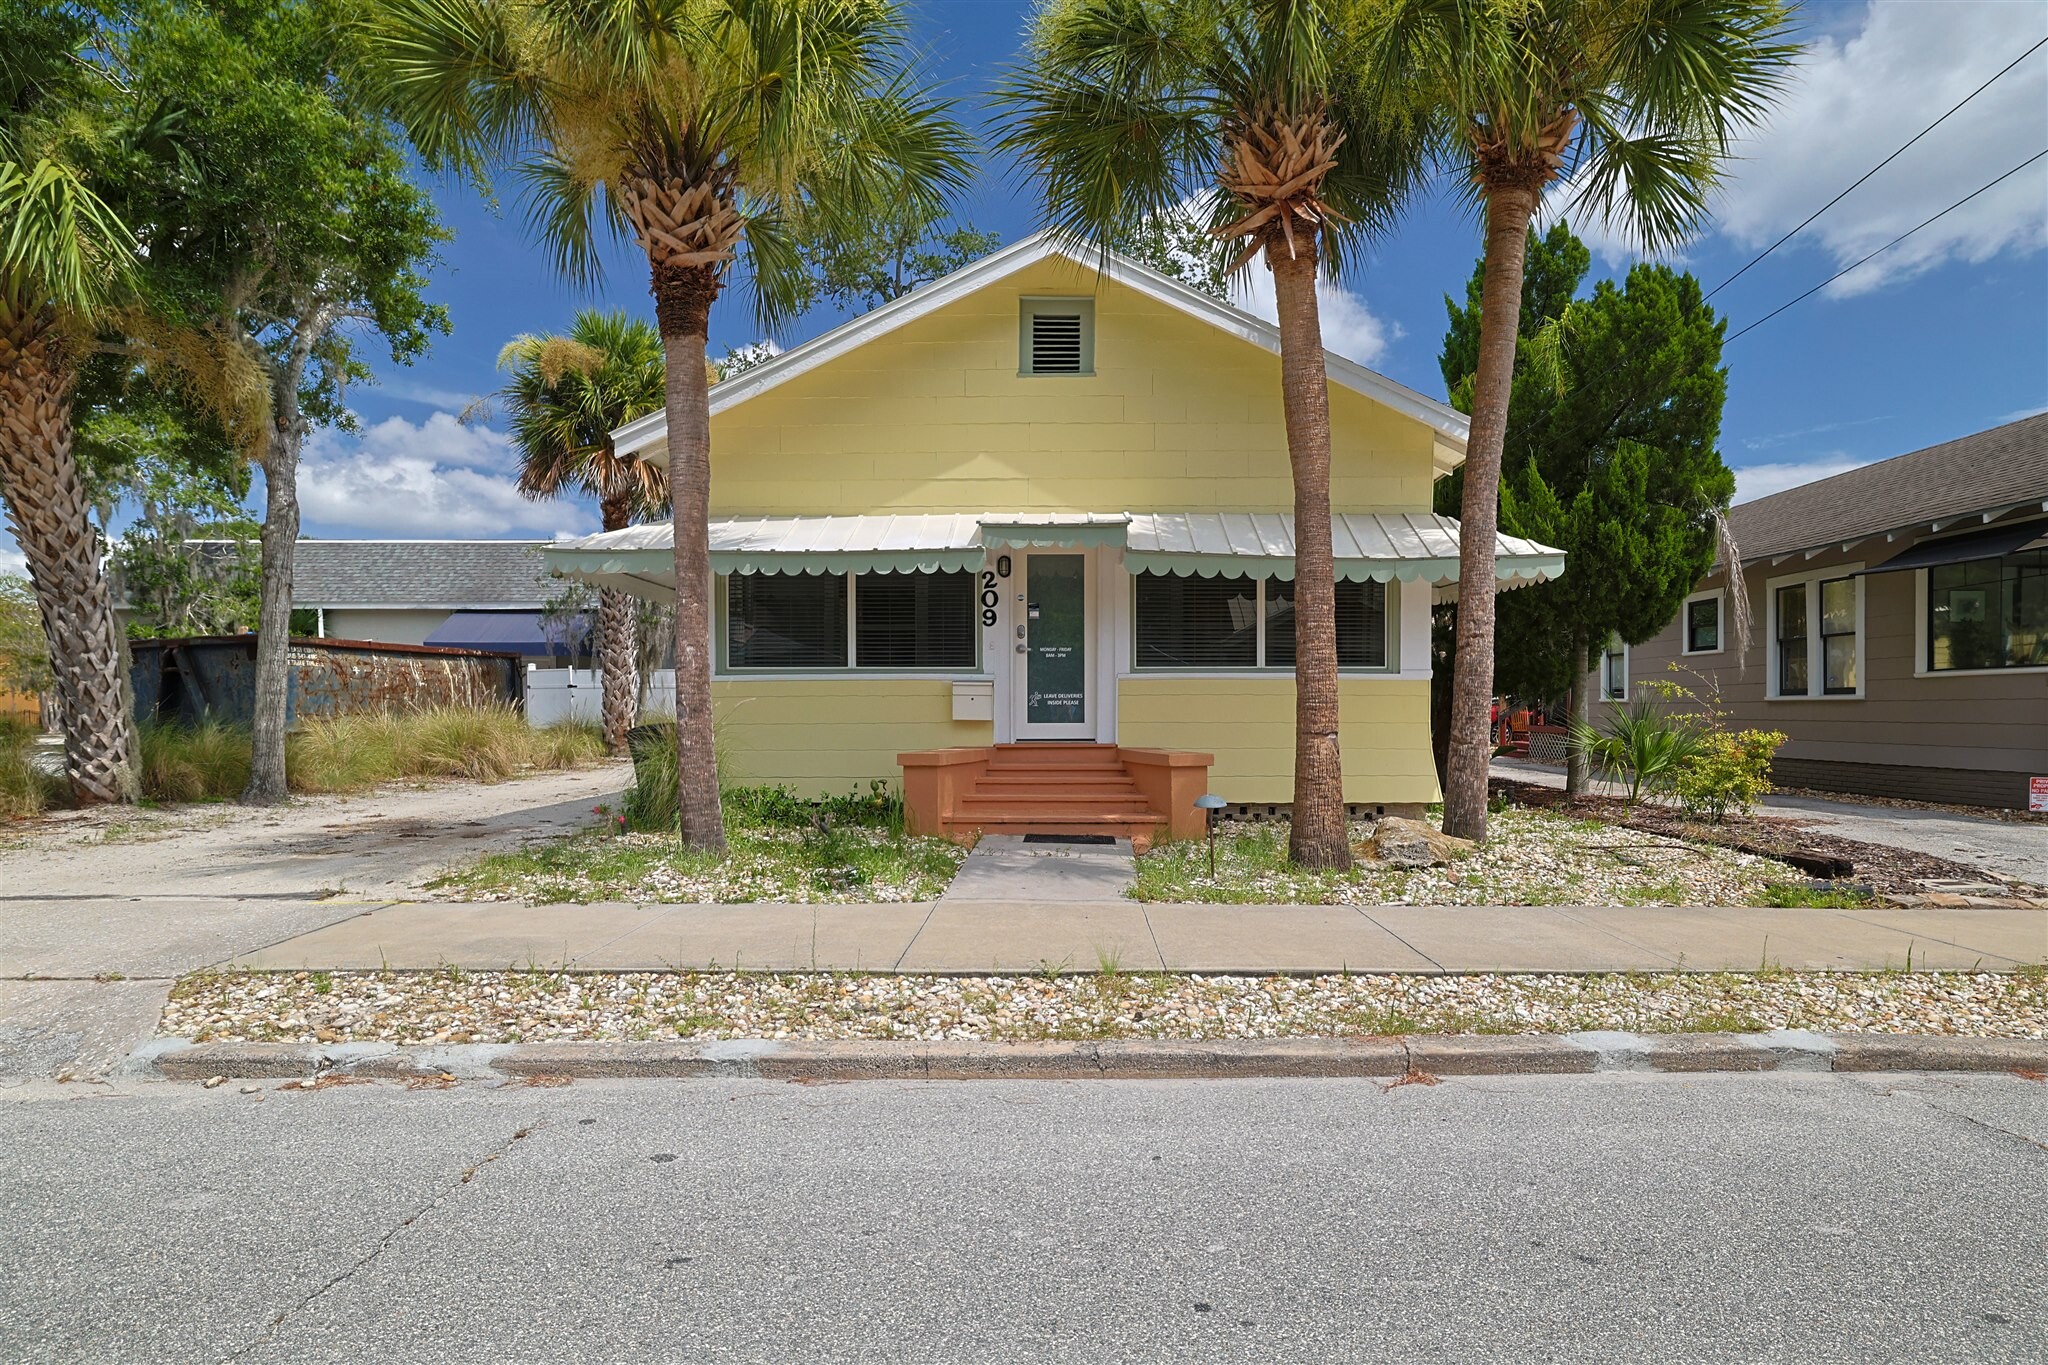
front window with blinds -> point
(1057, 336)
(894, 622)
(1195, 625)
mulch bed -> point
(1887, 871)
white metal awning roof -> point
(1412, 547)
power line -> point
(1875, 169)
(1892, 243)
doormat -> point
(1109, 839)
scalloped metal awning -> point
(1379, 546)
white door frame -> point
(1007, 663)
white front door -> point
(1052, 683)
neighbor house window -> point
(1989, 613)
(1838, 635)
(1195, 624)
(795, 623)
(1703, 623)
(1614, 672)
(1817, 636)
(1056, 336)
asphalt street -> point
(1616, 1217)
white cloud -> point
(1350, 328)
(1778, 438)
(13, 562)
(1761, 480)
(427, 395)
(435, 479)
(1860, 94)
(2020, 415)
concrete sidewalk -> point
(1007, 936)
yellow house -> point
(1047, 499)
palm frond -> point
(61, 246)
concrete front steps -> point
(1054, 788)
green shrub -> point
(204, 762)
(1728, 773)
(350, 753)
(25, 788)
(650, 802)
(1643, 745)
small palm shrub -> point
(1728, 774)
(1642, 745)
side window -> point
(1703, 625)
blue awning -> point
(513, 632)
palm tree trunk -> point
(682, 310)
(1508, 211)
(1578, 765)
(1318, 836)
(619, 649)
(268, 720)
(48, 513)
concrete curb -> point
(1484, 1055)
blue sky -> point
(1942, 336)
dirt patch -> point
(1886, 870)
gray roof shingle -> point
(421, 573)
(1993, 469)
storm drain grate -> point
(1109, 839)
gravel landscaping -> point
(508, 1007)
(1531, 857)
(854, 864)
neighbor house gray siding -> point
(1969, 738)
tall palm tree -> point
(567, 394)
(699, 128)
(1636, 101)
(1129, 109)
(65, 260)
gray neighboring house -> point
(1899, 624)
(476, 594)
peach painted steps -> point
(1059, 789)
(1054, 788)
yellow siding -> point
(827, 736)
(934, 417)
(1248, 723)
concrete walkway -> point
(1009, 868)
(2012, 850)
(955, 936)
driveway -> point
(2011, 850)
(101, 911)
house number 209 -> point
(989, 597)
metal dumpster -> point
(196, 678)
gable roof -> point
(650, 433)
(421, 573)
(1973, 478)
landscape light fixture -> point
(1209, 804)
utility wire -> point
(1892, 243)
(1874, 170)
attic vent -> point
(1058, 336)
(1056, 343)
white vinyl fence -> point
(555, 695)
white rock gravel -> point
(486, 1007)
(1530, 858)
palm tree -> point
(700, 128)
(65, 260)
(567, 394)
(1128, 110)
(1636, 101)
